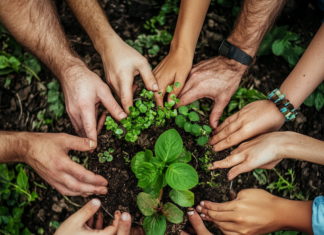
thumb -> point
(86, 212)
(79, 143)
(111, 104)
(124, 225)
(217, 113)
(197, 223)
(148, 77)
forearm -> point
(302, 147)
(35, 24)
(254, 20)
(93, 19)
(295, 216)
(308, 73)
(190, 20)
(13, 146)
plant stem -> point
(74, 204)
(32, 72)
(4, 232)
(16, 186)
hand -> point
(255, 211)
(264, 152)
(122, 63)
(47, 155)
(83, 92)
(197, 224)
(254, 119)
(217, 79)
(77, 223)
(174, 68)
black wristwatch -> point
(232, 52)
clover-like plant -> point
(169, 167)
(106, 156)
(187, 121)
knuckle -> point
(73, 187)
(227, 130)
(228, 161)
(80, 177)
(228, 140)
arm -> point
(35, 24)
(121, 62)
(218, 78)
(47, 154)
(256, 211)
(177, 64)
(263, 116)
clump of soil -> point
(122, 186)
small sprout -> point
(100, 155)
(160, 93)
(111, 150)
(169, 89)
(40, 231)
(109, 158)
(173, 96)
(177, 101)
(102, 159)
(178, 84)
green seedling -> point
(206, 162)
(41, 120)
(260, 175)
(54, 224)
(169, 167)
(55, 99)
(106, 156)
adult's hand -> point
(174, 68)
(256, 211)
(196, 223)
(81, 222)
(83, 92)
(217, 79)
(47, 155)
(254, 119)
(122, 63)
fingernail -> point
(190, 213)
(116, 212)
(199, 208)
(104, 183)
(203, 215)
(122, 115)
(95, 202)
(104, 191)
(202, 203)
(125, 217)
(155, 87)
(92, 144)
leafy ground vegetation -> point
(31, 100)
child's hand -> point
(255, 211)
(174, 68)
(254, 119)
(264, 152)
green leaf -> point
(166, 37)
(119, 131)
(54, 224)
(185, 156)
(207, 129)
(147, 174)
(147, 203)
(310, 101)
(168, 146)
(183, 110)
(7, 82)
(319, 101)
(187, 127)
(3, 210)
(6, 71)
(154, 224)
(4, 63)
(155, 188)
(54, 85)
(17, 213)
(157, 163)
(278, 47)
(154, 50)
(180, 120)
(173, 96)
(195, 128)
(193, 116)
(202, 140)
(143, 108)
(266, 45)
(177, 84)
(181, 176)
(184, 198)
(172, 213)
(139, 158)
(22, 180)
(169, 89)
(25, 232)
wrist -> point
(70, 73)
(107, 42)
(185, 50)
(248, 48)
(233, 65)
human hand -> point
(254, 119)
(80, 223)
(122, 63)
(83, 92)
(47, 154)
(175, 67)
(197, 224)
(254, 211)
(217, 79)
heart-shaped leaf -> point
(193, 116)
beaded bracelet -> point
(284, 106)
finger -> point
(148, 77)
(112, 230)
(159, 97)
(77, 143)
(134, 88)
(86, 212)
(111, 104)
(227, 121)
(197, 223)
(126, 94)
(176, 90)
(219, 207)
(233, 139)
(228, 130)
(239, 169)
(76, 124)
(101, 122)
(90, 222)
(226, 216)
(99, 222)
(217, 112)
(124, 225)
(83, 175)
(89, 122)
(229, 161)
(63, 189)
(189, 97)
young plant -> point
(316, 98)
(55, 99)
(41, 120)
(106, 156)
(206, 162)
(260, 175)
(169, 167)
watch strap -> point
(230, 51)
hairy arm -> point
(13, 146)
